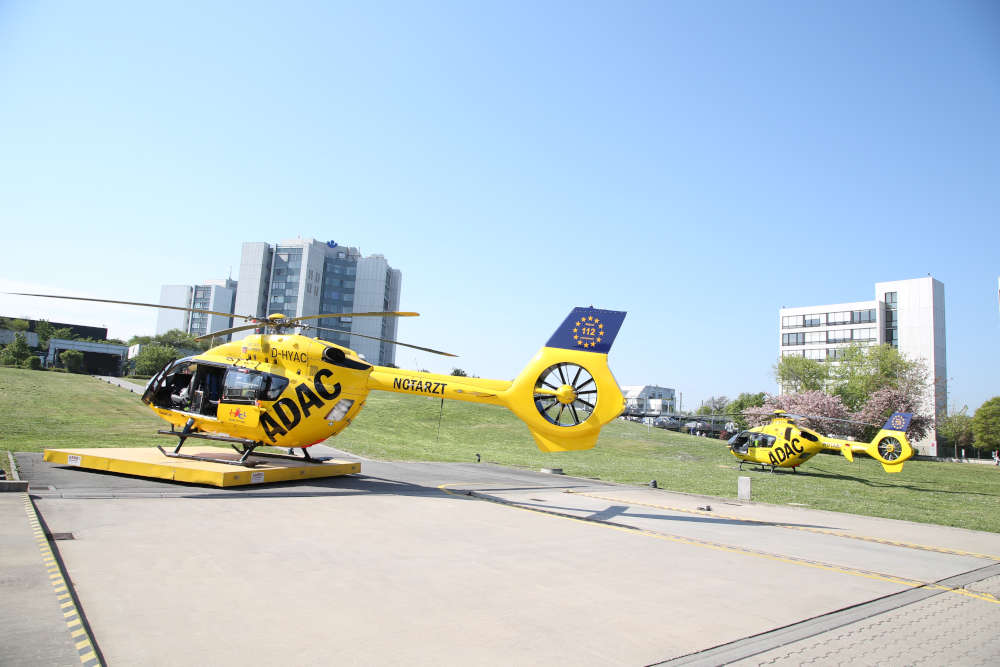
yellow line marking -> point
(59, 586)
(823, 531)
(912, 583)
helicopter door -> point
(738, 443)
(155, 384)
(240, 392)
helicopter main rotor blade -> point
(387, 313)
(136, 303)
(386, 340)
(226, 332)
(832, 419)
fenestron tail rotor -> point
(565, 394)
(890, 448)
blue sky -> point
(698, 165)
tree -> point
(798, 374)
(17, 352)
(986, 425)
(33, 363)
(15, 324)
(955, 431)
(459, 372)
(713, 405)
(152, 358)
(861, 371)
(807, 403)
(741, 403)
(44, 329)
(178, 339)
(64, 333)
(72, 360)
(880, 405)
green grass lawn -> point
(60, 410)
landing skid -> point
(245, 448)
(763, 467)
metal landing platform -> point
(149, 462)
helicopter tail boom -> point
(565, 394)
(889, 446)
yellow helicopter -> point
(784, 444)
(291, 391)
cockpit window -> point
(808, 436)
(275, 386)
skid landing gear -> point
(245, 448)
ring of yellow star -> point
(588, 331)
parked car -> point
(669, 423)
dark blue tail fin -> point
(588, 330)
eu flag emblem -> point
(588, 329)
(899, 421)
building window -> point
(818, 355)
(865, 334)
(863, 316)
(817, 320)
(791, 321)
(793, 339)
(838, 336)
(891, 319)
(793, 353)
(843, 317)
(833, 353)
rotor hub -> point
(565, 394)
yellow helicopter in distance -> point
(292, 391)
(782, 443)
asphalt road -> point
(418, 563)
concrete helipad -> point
(474, 563)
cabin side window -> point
(242, 386)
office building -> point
(217, 295)
(907, 314)
(309, 277)
(649, 399)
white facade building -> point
(649, 398)
(217, 295)
(907, 314)
(308, 277)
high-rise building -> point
(308, 277)
(217, 295)
(907, 314)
